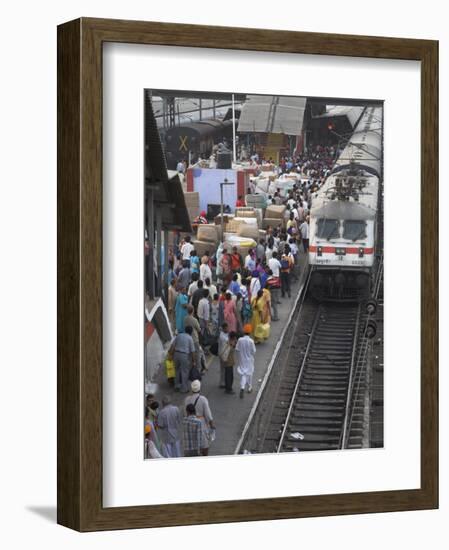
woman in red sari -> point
(230, 312)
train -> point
(345, 214)
(195, 139)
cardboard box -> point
(250, 231)
(256, 201)
(274, 222)
(207, 233)
(234, 225)
(275, 211)
(247, 212)
(192, 199)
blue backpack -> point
(247, 311)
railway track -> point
(316, 412)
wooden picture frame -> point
(80, 273)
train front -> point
(341, 252)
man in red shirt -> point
(236, 260)
(240, 202)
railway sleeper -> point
(321, 374)
(327, 370)
(357, 425)
(342, 340)
(332, 348)
(326, 338)
(305, 394)
(356, 434)
(311, 423)
(314, 380)
(336, 431)
(299, 415)
(317, 437)
(321, 368)
(306, 406)
(324, 387)
(329, 362)
(329, 401)
(318, 374)
(355, 444)
(309, 446)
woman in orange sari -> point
(267, 302)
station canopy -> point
(165, 185)
(272, 114)
(351, 113)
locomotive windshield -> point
(354, 230)
(327, 229)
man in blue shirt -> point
(183, 351)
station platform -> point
(230, 412)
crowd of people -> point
(223, 304)
(314, 164)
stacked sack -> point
(250, 226)
(274, 215)
(207, 239)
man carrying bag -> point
(227, 357)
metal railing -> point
(358, 370)
(344, 433)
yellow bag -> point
(266, 330)
(170, 368)
(262, 331)
(259, 332)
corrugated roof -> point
(272, 114)
(351, 113)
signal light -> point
(370, 329)
(330, 126)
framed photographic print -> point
(247, 325)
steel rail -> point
(298, 380)
(361, 360)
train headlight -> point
(319, 251)
(361, 252)
(340, 251)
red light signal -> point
(331, 126)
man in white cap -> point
(246, 351)
(203, 412)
